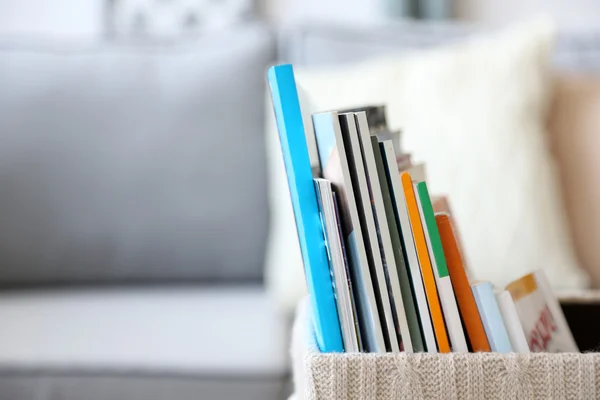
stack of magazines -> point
(383, 260)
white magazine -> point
(335, 252)
(542, 319)
(564, 339)
(512, 322)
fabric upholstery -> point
(159, 343)
(162, 329)
(574, 129)
(106, 386)
(133, 163)
(152, 19)
(153, 343)
(321, 44)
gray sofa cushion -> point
(135, 387)
(159, 343)
(124, 163)
(216, 330)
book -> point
(369, 146)
(460, 283)
(417, 172)
(341, 284)
(376, 117)
(348, 274)
(491, 317)
(398, 247)
(440, 271)
(435, 309)
(540, 314)
(333, 158)
(294, 148)
(408, 246)
(366, 215)
(398, 274)
(441, 204)
(564, 340)
(512, 322)
(403, 161)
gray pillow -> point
(124, 163)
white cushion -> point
(194, 329)
(475, 114)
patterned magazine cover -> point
(540, 314)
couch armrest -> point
(574, 130)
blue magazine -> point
(306, 210)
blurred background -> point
(98, 18)
(147, 250)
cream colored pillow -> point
(474, 113)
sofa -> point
(135, 209)
(135, 220)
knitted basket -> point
(420, 376)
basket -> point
(472, 376)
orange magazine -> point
(435, 309)
(462, 288)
